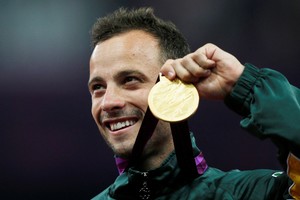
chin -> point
(123, 152)
(124, 155)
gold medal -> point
(173, 101)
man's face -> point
(123, 69)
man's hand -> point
(212, 70)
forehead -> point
(127, 50)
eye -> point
(97, 88)
(131, 80)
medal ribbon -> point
(147, 128)
(184, 149)
(181, 139)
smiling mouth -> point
(115, 126)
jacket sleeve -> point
(270, 107)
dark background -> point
(50, 147)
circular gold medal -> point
(173, 101)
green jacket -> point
(270, 107)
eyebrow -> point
(130, 72)
(95, 79)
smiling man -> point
(131, 47)
(123, 70)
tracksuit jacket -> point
(270, 108)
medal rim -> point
(158, 114)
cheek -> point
(94, 109)
(142, 100)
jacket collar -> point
(159, 181)
(200, 162)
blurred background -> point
(50, 147)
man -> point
(131, 47)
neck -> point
(149, 161)
(154, 159)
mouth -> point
(121, 124)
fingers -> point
(212, 70)
(190, 68)
(167, 70)
(202, 60)
(187, 70)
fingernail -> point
(207, 72)
(170, 74)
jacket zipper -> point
(144, 192)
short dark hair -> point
(171, 41)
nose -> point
(112, 100)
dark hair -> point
(171, 41)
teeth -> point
(119, 125)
